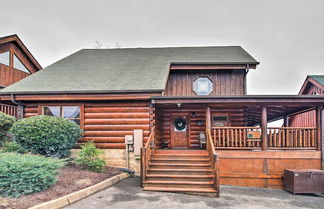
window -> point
(68, 112)
(4, 58)
(220, 120)
(203, 86)
(180, 124)
(19, 65)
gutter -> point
(2, 92)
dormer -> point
(16, 62)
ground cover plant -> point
(22, 174)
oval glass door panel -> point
(180, 124)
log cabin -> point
(187, 110)
(313, 85)
(16, 63)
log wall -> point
(225, 82)
(106, 123)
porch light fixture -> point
(179, 105)
(193, 114)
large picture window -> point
(19, 65)
(68, 112)
(5, 58)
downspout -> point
(322, 134)
(245, 77)
(20, 109)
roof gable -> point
(21, 45)
(124, 70)
(316, 80)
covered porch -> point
(236, 122)
(231, 139)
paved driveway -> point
(128, 194)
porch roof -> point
(278, 105)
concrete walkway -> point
(128, 194)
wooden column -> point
(286, 121)
(208, 118)
(264, 127)
(318, 128)
(208, 124)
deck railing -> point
(9, 109)
(283, 138)
(146, 153)
(237, 137)
(215, 161)
(292, 138)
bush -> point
(46, 135)
(89, 158)
(13, 147)
(25, 174)
(6, 121)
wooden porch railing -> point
(9, 109)
(146, 154)
(215, 161)
(292, 138)
(237, 137)
(283, 138)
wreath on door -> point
(180, 124)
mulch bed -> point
(71, 179)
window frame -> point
(13, 64)
(61, 105)
(196, 80)
(8, 59)
(228, 121)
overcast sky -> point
(285, 36)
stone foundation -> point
(117, 158)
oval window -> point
(180, 124)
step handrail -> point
(214, 157)
(146, 153)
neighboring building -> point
(191, 100)
(16, 63)
(313, 85)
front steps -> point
(188, 171)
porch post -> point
(264, 128)
(208, 124)
(318, 128)
(208, 118)
(286, 121)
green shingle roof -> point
(124, 70)
(318, 78)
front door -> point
(179, 131)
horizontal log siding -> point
(225, 82)
(107, 123)
(164, 113)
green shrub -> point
(6, 121)
(25, 174)
(46, 135)
(13, 147)
(89, 158)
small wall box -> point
(304, 181)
